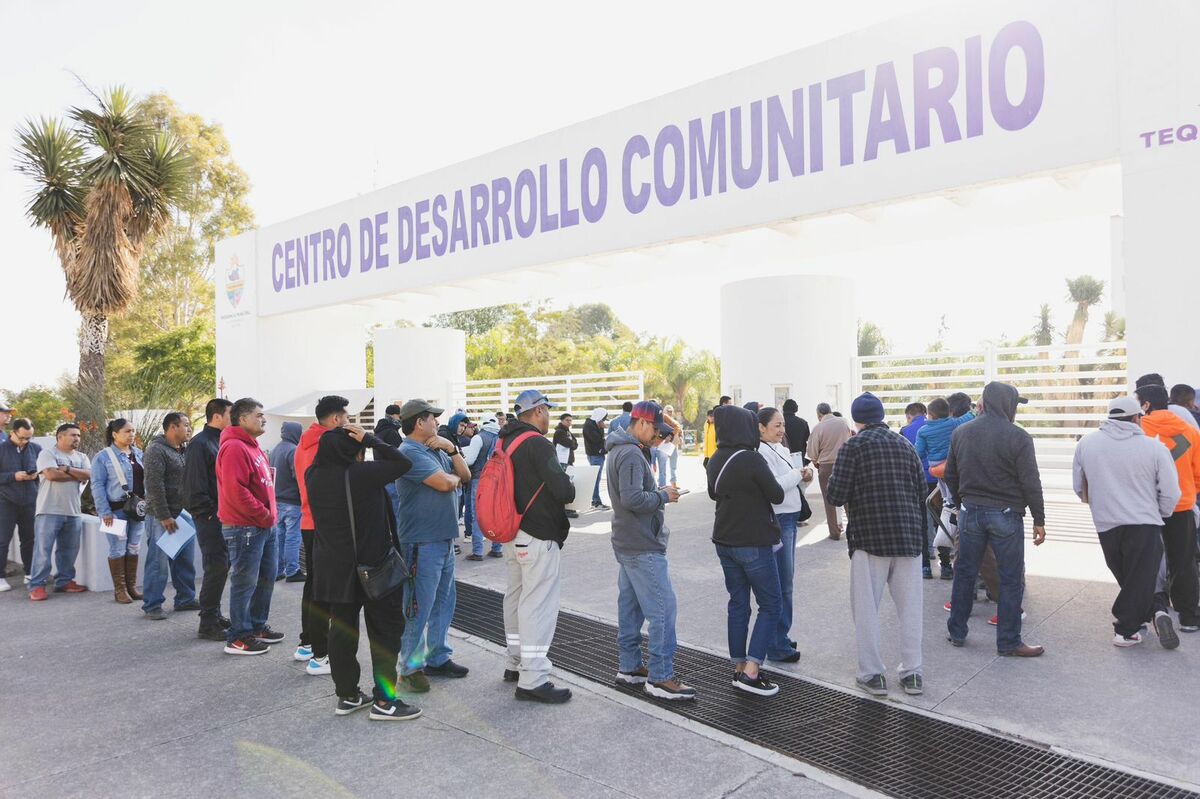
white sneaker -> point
(4, 586)
(27, 579)
(302, 653)
(318, 666)
(1131, 640)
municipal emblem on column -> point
(235, 284)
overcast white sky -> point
(325, 101)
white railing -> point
(1068, 385)
(574, 394)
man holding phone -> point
(18, 494)
(58, 523)
(639, 541)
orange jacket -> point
(1184, 443)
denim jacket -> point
(106, 481)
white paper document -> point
(171, 543)
(117, 527)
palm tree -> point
(102, 186)
(1085, 291)
(1043, 331)
(680, 374)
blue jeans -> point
(119, 547)
(252, 561)
(644, 594)
(596, 460)
(424, 640)
(675, 465)
(287, 539)
(182, 569)
(1004, 529)
(751, 569)
(61, 534)
(477, 539)
(660, 461)
(785, 562)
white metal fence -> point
(1068, 385)
(574, 394)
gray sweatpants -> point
(531, 606)
(902, 576)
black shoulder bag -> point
(382, 580)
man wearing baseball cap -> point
(1128, 481)
(541, 491)
(427, 527)
(5, 417)
(992, 474)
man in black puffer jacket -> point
(200, 499)
(542, 491)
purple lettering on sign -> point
(707, 160)
(441, 230)
(404, 234)
(1186, 133)
(816, 129)
(458, 223)
(301, 263)
(927, 98)
(843, 89)
(420, 213)
(670, 136)
(501, 202)
(328, 251)
(1016, 35)
(381, 237)
(568, 216)
(479, 210)
(549, 221)
(885, 91)
(593, 208)
(314, 244)
(781, 135)
(744, 177)
(974, 82)
(276, 278)
(366, 244)
(343, 250)
(526, 199)
(1166, 136)
(635, 203)
(289, 257)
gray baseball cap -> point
(529, 399)
(415, 407)
(1124, 406)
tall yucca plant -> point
(102, 185)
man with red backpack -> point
(541, 491)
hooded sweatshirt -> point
(306, 453)
(1125, 477)
(245, 490)
(637, 523)
(992, 462)
(933, 437)
(593, 435)
(482, 445)
(387, 430)
(565, 444)
(534, 464)
(283, 461)
(741, 483)
(1183, 444)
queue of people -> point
(376, 537)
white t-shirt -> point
(60, 498)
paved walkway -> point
(1135, 708)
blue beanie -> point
(866, 409)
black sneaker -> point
(793, 657)
(947, 571)
(671, 689)
(913, 685)
(546, 692)
(1166, 630)
(347, 705)
(211, 632)
(600, 506)
(393, 710)
(224, 622)
(759, 685)
(495, 553)
(633, 678)
(572, 514)
(447, 669)
(875, 685)
(193, 605)
(955, 641)
(268, 636)
(511, 675)
(246, 646)
(298, 577)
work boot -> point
(116, 567)
(131, 564)
(546, 692)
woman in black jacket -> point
(745, 532)
(339, 454)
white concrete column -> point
(419, 363)
(793, 331)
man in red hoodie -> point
(1179, 530)
(314, 616)
(246, 508)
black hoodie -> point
(992, 461)
(535, 463)
(747, 488)
(387, 430)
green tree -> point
(871, 340)
(476, 321)
(103, 186)
(1043, 331)
(1085, 291)
(42, 405)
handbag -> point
(385, 578)
(135, 507)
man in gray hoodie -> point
(287, 502)
(639, 541)
(992, 474)
(1129, 482)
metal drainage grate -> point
(875, 744)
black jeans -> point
(19, 516)
(1183, 587)
(314, 615)
(215, 559)
(1133, 553)
(385, 626)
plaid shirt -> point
(878, 477)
